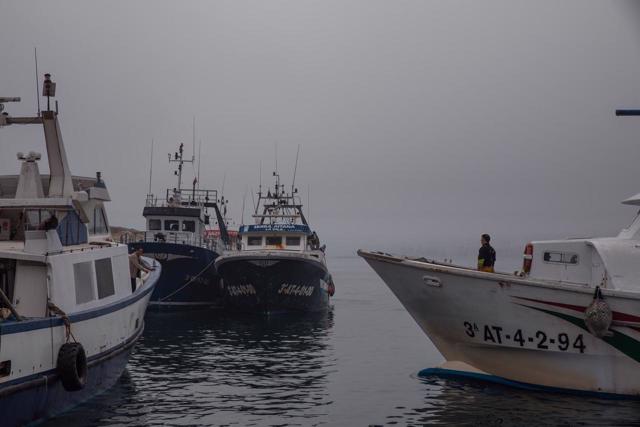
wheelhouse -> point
(286, 237)
(609, 262)
(181, 217)
(55, 240)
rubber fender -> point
(72, 366)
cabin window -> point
(293, 240)
(254, 240)
(561, 257)
(189, 226)
(35, 219)
(104, 277)
(71, 230)
(83, 274)
(155, 224)
(99, 221)
(171, 224)
(274, 240)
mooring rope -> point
(188, 282)
(65, 319)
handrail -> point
(179, 237)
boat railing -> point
(178, 237)
(184, 197)
(183, 238)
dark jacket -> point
(486, 256)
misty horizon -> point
(422, 125)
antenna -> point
(151, 167)
(295, 169)
(260, 187)
(255, 208)
(309, 201)
(178, 158)
(193, 133)
(199, 157)
(224, 179)
(35, 54)
(276, 156)
(244, 196)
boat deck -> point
(14, 249)
(438, 267)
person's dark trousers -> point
(133, 284)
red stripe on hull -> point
(622, 317)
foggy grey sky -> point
(422, 123)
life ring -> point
(72, 366)
(528, 258)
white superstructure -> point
(69, 311)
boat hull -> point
(107, 334)
(41, 398)
(519, 329)
(188, 275)
(272, 283)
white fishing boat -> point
(69, 314)
(570, 320)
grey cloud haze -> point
(422, 123)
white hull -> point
(106, 332)
(519, 329)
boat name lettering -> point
(541, 340)
(241, 290)
(297, 290)
(197, 279)
(275, 227)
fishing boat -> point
(179, 236)
(569, 321)
(280, 265)
(69, 315)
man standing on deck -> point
(135, 266)
(486, 255)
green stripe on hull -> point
(618, 340)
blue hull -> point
(188, 275)
(44, 396)
(475, 376)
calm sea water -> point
(355, 365)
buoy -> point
(598, 315)
(72, 366)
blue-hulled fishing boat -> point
(179, 237)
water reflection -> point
(474, 403)
(205, 368)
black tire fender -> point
(72, 366)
